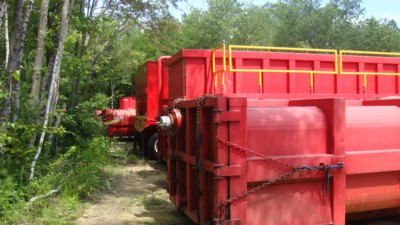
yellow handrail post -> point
(365, 84)
(222, 71)
(215, 78)
(260, 81)
(312, 82)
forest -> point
(63, 59)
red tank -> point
(127, 103)
(121, 122)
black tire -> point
(152, 147)
(139, 144)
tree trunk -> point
(39, 54)
(65, 16)
(6, 38)
(45, 122)
(79, 51)
(12, 63)
(41, 109)
(55, 76)
(54, 151)
(3, 5)
(22, 33)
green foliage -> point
(83, 174)
(11, 198)
(82, 124)
(208, 29)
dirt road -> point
(138, 196)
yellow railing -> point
(364, 73)
(337, 60)
(284, 49)
(222, 71)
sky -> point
(373, 8)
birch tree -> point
(18, 35)
(55, 77)
(3, 5)
(39, 53)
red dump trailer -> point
(261, 135)
(151, 95)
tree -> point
(217, 25)
(39, 54)
(55, 77)
(18, 35)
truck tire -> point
(152, 147)
(138, 144)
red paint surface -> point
(337, 122)
(122, 122)
(191, 75)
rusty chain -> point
(291, 170)
(197, 151)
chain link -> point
(243, 150)
(222, 205)
(176, 101)
(197, 151)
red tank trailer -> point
(121, 121)
(261, 135)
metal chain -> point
(176, 101)
(241, 149)
(197, 151)
(252, 152)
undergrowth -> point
(72, 167)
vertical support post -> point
(312, 82)
(220, 156)
(334, 109)
(237, 135)
(292, 78)
(365, 84)
(398, 80)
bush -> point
(11, 200)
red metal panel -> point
(191, 75)
(297, 204)
(278, 130)
(372, 128)
(177, 77)
(372, 191)
(127, 103)
(149, 92)
(122, 122)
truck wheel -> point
(138, 144)
(152, 147)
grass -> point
(66, 207)
(152, 202)
(60, 210)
